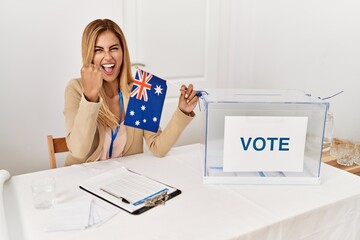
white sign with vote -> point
(268, 143)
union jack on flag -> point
(146, 101)
(142, 84)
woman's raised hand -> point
(187, 99)
(92, 80)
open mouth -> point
(108, 68)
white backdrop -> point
(307, 45)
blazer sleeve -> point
(161, 142)
(81, 121)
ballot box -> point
(261, 136)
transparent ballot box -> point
(261, 136)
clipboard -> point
(128, 190)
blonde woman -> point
(95, 104)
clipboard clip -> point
(157, 200)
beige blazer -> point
(85, 137)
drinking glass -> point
(43, 192)
(328, 132)
(344, 153)
(357, 153)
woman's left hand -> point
(187, 99)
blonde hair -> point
(90, 34)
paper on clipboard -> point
(126, 189)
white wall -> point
(311, 45)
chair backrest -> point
(55, 145)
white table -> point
(330, 210)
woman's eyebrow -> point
(115, 45)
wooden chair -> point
(56, 145)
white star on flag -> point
(158, 90)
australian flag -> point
(146, 101)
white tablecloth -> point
(330, 210)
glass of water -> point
(328, 132)
(43, 192)
(357, 153)
(344, 153)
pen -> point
(124, 200)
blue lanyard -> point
(114, 134)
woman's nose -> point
(107, 55)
